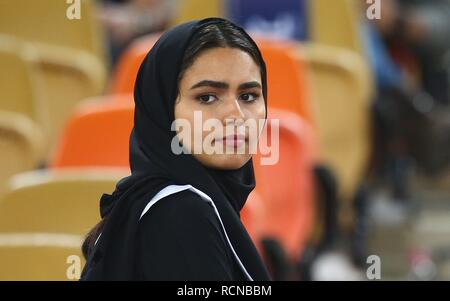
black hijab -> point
(154, 166)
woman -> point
(177, 216)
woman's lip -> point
(233, 140)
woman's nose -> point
(233, 110)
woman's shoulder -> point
(181, 207)
(184, 217)
(181, 238)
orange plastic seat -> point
(286, 79)
(129, 62)
(287, 187)
(97, 134)
(252, 216)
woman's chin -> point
(224, 161)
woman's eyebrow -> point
(223, 85)
(249, 85)
(211, 83)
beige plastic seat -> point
(71, 60)
(21, 136)
(341, 88)
(21, 145)
(61, 77)
(46, 22)
(335, 23)
(40, 256)
(68, 77)
(63, 201)
(188, 10)
(19, 85)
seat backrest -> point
(287, 187)
(97, 134)
(124, 75)
(286, 79)
(252, 216)
(56, 201)
(19, 86)
(21, 145)
(40, 256)
(341, 91)
(335, 23)
(188, 10)
(68, 76)
(46, 21)
(46, 82)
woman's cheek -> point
(262, 110)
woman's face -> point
(223, 87)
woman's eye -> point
(248, 97)
(207, 98)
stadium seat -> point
(97, 134)
(189, 10)
(19, 84)
(46, 22)
(40, 256)
(56, 201)
(68, 77)
(125, 72)
(60, 78)
(21, 145)
(288, 89)
(341, 90)
(335, 23)
(252, 216)
(287, 187)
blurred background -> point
(362, 92)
